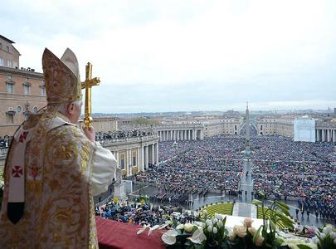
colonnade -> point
(325, 135)
(134, 154)
(177, 134)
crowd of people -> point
(282, 169)
(142, 213)
(122, 134)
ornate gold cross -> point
(87, 85)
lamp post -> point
(175, 147)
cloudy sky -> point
(187, 55)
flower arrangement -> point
(326, 237)
(212, 232)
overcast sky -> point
(187, 55)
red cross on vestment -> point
(23, 136)
(17, 171)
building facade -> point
(22, 90)
(177, 132)
(134, 154)
(326, 131)
(272, 125)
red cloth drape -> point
(118, 235)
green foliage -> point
(277, 213)
(326, 237)
(219, 208)
(303, 246)
(275, 216)
(142, 121)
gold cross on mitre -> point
(87, 85)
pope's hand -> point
(90, 133)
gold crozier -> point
(87, 85)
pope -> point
(54, 168)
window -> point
(2, 63)
(133, 158)
(10, 115)
(35, 109)
(26, 88)
(10, 119)
(26, 115)
(8, 49)
(9, 87)
(43, 90)
(122, 161)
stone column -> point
(147, 157)
(128, 162)
(157, 153)
(139, 159)
(153, 153)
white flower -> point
(210, 228)
(335, 241)
(214, 230)
(327, 229)
(152, 229)
(315, 239)
(199, 224)
(214, 221)
(232, 235)
(165, 225)
(219, 216)
(220, 224)
(142, 229)
(322, 235)
(198, 236)
(169, 237)
(333, 235)
(188, 227)
(208, 222)
(180, 226)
